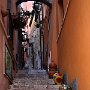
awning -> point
(43, 1)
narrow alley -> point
(31, 72)
(44, 45)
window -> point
(8, 63)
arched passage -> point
(43, 1)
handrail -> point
(3, 27)
(64, 18)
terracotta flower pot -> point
(52, 69)
(52, 66)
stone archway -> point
(42, 1)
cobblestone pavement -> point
(36, 80)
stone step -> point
(27, 80)
(20, 76)
(38, 87)
(34, 81)
(31, 76)
(38, 72)
(47, 87)
(32, 71)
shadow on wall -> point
(74, 84)
(65, 79)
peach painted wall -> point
(13, 6)
(4, 82)
(45, 25)
(65, 2)
(74, 43)
(53, 32)
(51, 35)
(45, 28)
(15, 35)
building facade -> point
(8, 45)
(67, 41)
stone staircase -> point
(36, 80)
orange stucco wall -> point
(65, 2)
(15, 35)
(50, 36)
(45, 25)
(4, 82)
(53, 32)
(74, 43)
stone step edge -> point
(38, 86)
